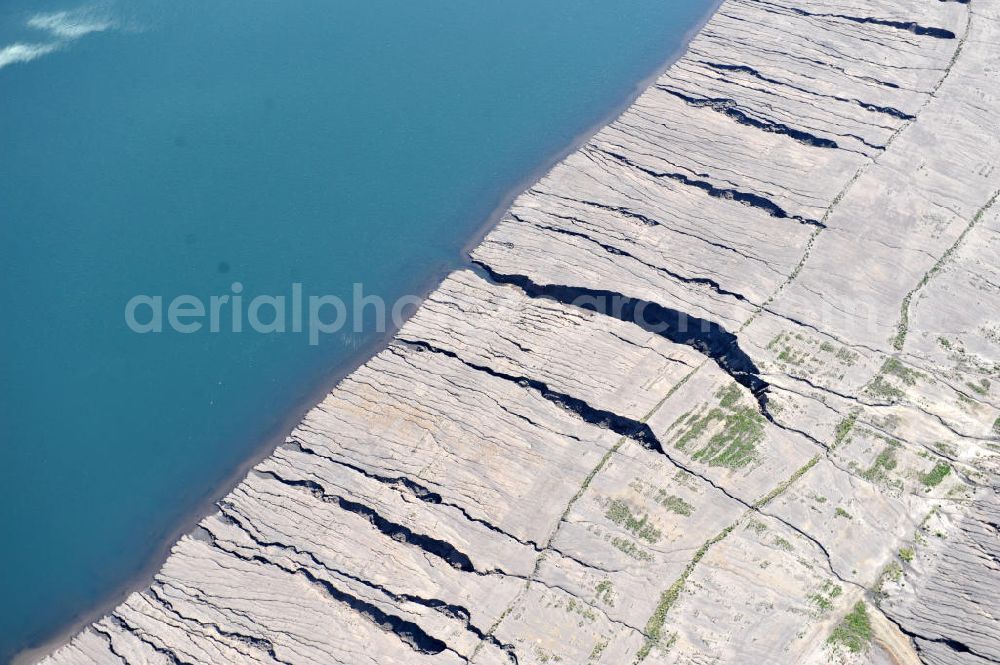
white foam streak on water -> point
(64, 27)
(19, 52)
(70, 25)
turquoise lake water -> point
(175, 147)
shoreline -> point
(273, 439)
(473, 493)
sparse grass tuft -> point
(676, 504)
(883, 464)
(629, 548)
(945, 449)
(893, 572)
(654, 627)
(595, 653)
(823, 599)
(619, 513)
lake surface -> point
(175, 147)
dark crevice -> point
(645, 220)
(111, 644)
(819, 63)
(706, 337)
(169, 654)
(886, 110)
(408, 632)
(886, 84)
(908, 26)
(453, 611)
(746, 198)
(416, 490)
(450, 610)
(439, 548)
(812, 539)
(954, 645)
(261, 643)
(633, 429)
(702, 281)
(730, 109)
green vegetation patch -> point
(982, 388)
(893, 367)
(736, 445)
(996, 427)
(934, 477)
(654, 626)
(840, 512)
(696, 428)
(630, 548)
(729, 395)
(619, 513)
(906, 554)
(783, 487)
(883, 464)
(945, 449)
(742, 428)
(844, 428)
(879, 387)
(778, 339)
(675, 504)
(606, 592)
(854, 633)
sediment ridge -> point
(723, 386)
